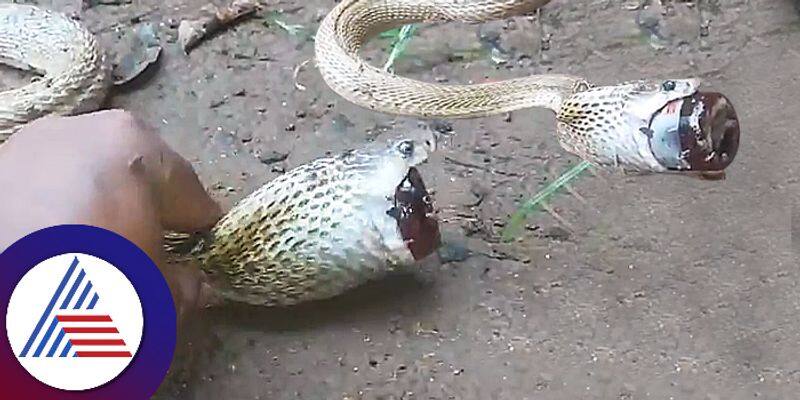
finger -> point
(186, 205)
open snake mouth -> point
(695, 133)
(413, 210)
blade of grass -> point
(389, 34)
(399, 45)
(517, 220)
(291, 29)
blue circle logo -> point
(88, 315)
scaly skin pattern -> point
(352, 23)
(312, 233)
(76, 75)
(603, 124)
(599, 124)
(323, 227)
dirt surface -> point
(656, 287)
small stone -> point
(453, 252)
(557, 233)
(272, 156)
(244, 137)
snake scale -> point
(337, 222)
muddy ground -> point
(657, 287)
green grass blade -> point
(517, 220)
(399, 45)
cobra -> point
(337, 222)
(318, 230)
(641, 126)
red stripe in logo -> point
(83, 318)
(97, 342)
(90, 330)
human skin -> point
(107, 169)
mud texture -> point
(656, 287)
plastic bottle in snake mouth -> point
(696, 133)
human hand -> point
(109, 170)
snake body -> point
(346, 29)
(606, 125)
(75, 71)
(322, 228)
(336, 222)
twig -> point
(190, 33)
(296, 73)
(128, 20)
(480, 167)
(550, 210)
(575, 193)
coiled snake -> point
(336, 222)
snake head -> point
(393, 196)
(413, 205)
(651, 126)
(414, 151)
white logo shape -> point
(74, 322)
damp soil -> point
(654, 287)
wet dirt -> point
(654, 287)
